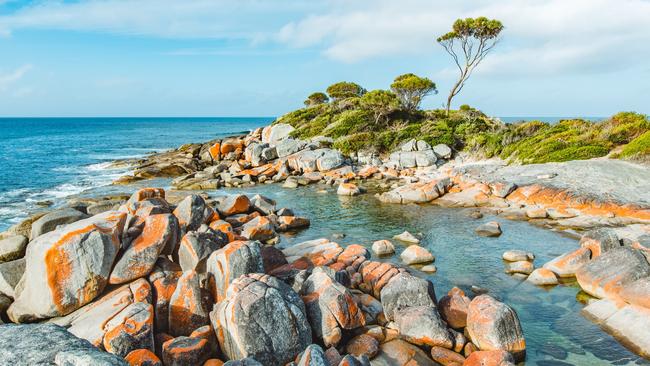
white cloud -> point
(546, 36)
(159, 18)
(9, 79)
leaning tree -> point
(411, 89)
(468, 43)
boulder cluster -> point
(615, 272)
(271, 155)
(199, 282)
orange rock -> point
(453, 308)
(567, 264)
(232, 145)
(160, 234)
(493, 325)
(183, 351)
(129, 330)
(286, 223)
(146, 193)
(367, 172)
(68, 268)
(446, 357)
(206, 332)
(215, 151)
(363, 345)
(399, 352)
(164, 279)
(224, 227)
(259, 228)
(213, 362)
(489, 358)
(235, 204)
(186, 312)
(142, 357)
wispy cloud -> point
(11, 78)
(160, 18)
(540, 36)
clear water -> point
(556, 333)
(39, 161)
(48, 159)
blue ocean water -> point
(48, 159)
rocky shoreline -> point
(175, 278)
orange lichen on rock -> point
(215, 151)
(142, 357)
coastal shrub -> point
(639, 148)
(353, 143)
(575, 153)
(316, 99)
(348, 122)
(410, 89)
(314, 128)
(345, 89)
(624, 127)
(380, 103)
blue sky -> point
(262, 57)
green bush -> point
(348, 122)
(639, 148)
(353, 143)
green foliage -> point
(345, 89)
(479, 28)
(411, 89)
(348, 122)
(379, 102)
(352, 143)
(639, 148)
(316, 99)
(624, 127)
(465, 107)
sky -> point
(263, 57)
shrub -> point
(348, 122)
(353, 143)
(345, 89)
(411, 89)
(639, 148)
(316, 99)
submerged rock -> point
(490, 229)
(407, 237)
(542, 277)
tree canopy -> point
(410, 89)
(379, 102)
(345, 89)
(469, 41)
(316, 98)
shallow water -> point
(556, 333)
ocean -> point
(49, 159)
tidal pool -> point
(556, 333)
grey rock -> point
(12, 248)
(567, 264)
(425, 158)
(329, 159)
(490, 229)
(289, 146)
(103, 206)
(10, 274)
(399, 352)
(192, 212)
(270, 153)
(443, 151)
(600, 241)
(313, 356)
(138, 319)
(243, 362)
(263, 205)
(53, 219)
(422, 325)
(276, 132)
(405, 290)
(49, 344)
(515, 255)
(197, 246)
(263, 318)
(229, 263)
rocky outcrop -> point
(229, 263)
